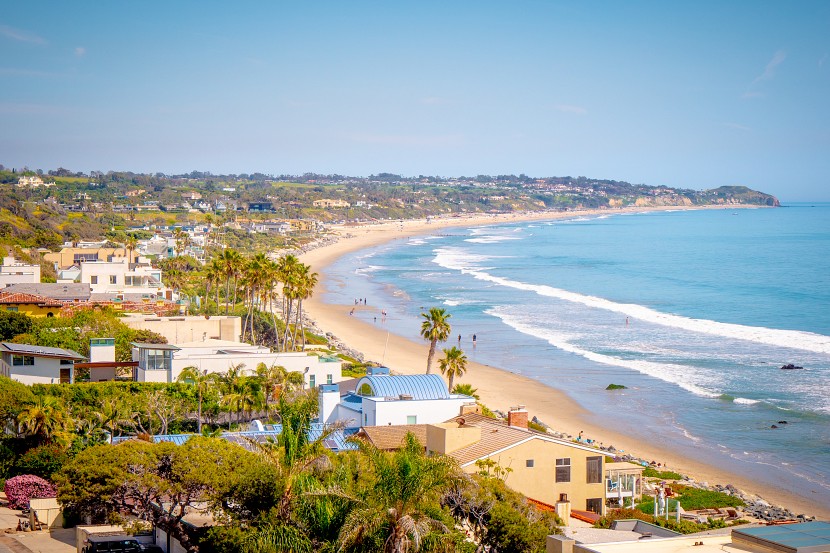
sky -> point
(689, 94)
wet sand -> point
(500, 389)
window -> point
(594, 505)
(113, 279)
(11, 309)
(312, 381)
(22, 360)
(157, 360)
(563, 470)
(594, 466)
(329, 379)
(529, 463)
(93, 279)
(412, 419)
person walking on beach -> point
(459, 340)
(474, 340)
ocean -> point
(694, 311)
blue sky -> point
(688, 94)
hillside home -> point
(118, 276)
(32, 305)
(331, 203)
(37, 364)
(382, 399)
(65, 292)
(164, 362)
(69, 256)
(13, 271)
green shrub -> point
(693, 499)
(43, 461)
(662, 474)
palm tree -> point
(406, 483)
(454, 363)
(306, 282)
(465, 390)
(436, 328)
(130, 245)
(276, 380)
(183, 241)
(46, 418)
(203, 382)
(213, 274)
(288, 275)
(231, 261)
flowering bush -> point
(20, 489)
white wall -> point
(383, 412)
(293, 362)
(44, 371)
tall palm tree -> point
(276, 380)
(466, 390)
(436, 328)
(213, 274)
(231, 261)
(255, 279)
(130, 245)
(406, 483)
(306, 281)
(288, 275)
(203, 381)
(454, 363)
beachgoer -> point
(352, 311)
(459, 340)
(376, 319)
(626, 321)
(579, 438)
(474, 340)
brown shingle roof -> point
(391, 437)
(496, 435)
(24, 298)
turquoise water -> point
(694, 311)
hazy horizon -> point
(687, 95)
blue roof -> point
(806, 537)
(337, 441)
(419, 386)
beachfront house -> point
(38, 364)
(381, 399)
(558, 473)
(164, 362)
(32, 305)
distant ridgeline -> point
(45, 209)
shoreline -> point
(499, 388)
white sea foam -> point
(491, 239)
(745, 401)
(794, 339)
(682, 376)
(367, 270)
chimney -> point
(517, 417)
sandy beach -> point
(499, 388)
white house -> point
(382, 399)
(119, 276)
(164, 362)
(15, 272)
(37, 364)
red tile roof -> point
(24, 298)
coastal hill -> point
(44, 209)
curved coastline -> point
(498, 387)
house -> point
(15, 272)
(64, 292)
(546, 469)
(381, 399)
(188, 329)
(119, 276)
(32, 182)
(164, 362)
(623, 480)
(331, 203)
(37, 364)
(102, 365)
(32, 305)
(69, 256)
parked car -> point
(112, 544)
